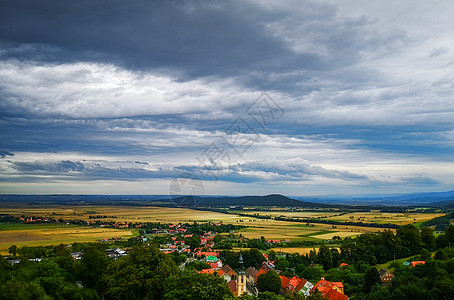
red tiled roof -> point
(232, 286)
(260, 272)
(420, 262)
(335, 295)
(324, 285)
(293, 283)
(199, 253)
(284, 282)
(300, 284)
(207, 271)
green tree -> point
(325, 257)
(61, 250)
(411, 239)
(193, 242)
(348, 250)
(449, 233)
(139, 275)
(93, 266)
(272, 255)
(191, 285)
(282, 264)
(310, 273)
(370, 279)
(268, 296)
(269, 282)
(50, 276)
(197, 265)
(428, 239)
(13, 250)
(19, 290)
(253, 257)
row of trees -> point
(384, 246)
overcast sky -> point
(251, 97)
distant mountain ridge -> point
(433, 199)
(163, 200)
(268, 200)
(437, 199)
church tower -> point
(241, 279)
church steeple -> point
(241, 268)
(241, 279)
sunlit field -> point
(51, 234)
(365, 217)
(46, 234)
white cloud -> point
(93, 90)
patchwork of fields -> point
(46, 234)
(365, 217)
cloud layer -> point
(99, 91)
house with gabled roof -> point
(268, 265)
(330, 290)
(299, 285)
(385, 276)
(227, 273)
(216, 264)
(251, 272)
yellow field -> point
(51, 234)
(124, 213)
(381, 218)
(365, 217)
(302, 251)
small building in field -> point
(415, 263)
(386, 276)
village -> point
(201, 249)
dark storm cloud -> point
(3, 153)
(221, 37)
(240, 173)
(42, 167)
(195, 38)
